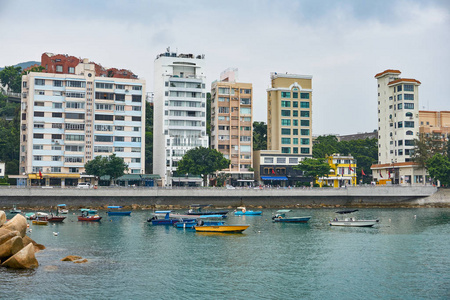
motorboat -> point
(116, 211)
(280, 217)
(39, 222)
(352, 221)
(87, 218)
(244, 212)
(30, 216)
(221, 228)
(197, 209)
(207, 220)
(162, 217)
(62, 209)
(89, 211)
(15, 210)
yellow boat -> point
(222, 228)
(39, 222)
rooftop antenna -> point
(168, 49)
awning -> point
(274, 178)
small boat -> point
(95, 218)
(200, 221)
(55, 219)
(89, 211)
(165, 219)
(280, 217)
(62, 209)
(30, 216)
(39, 222)
(115, 211)
(352, 221)
(245, 212)
(197, 209)
(15, 210)
(221, 228)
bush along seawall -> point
(173, 198)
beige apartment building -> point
(231, 126)
(434, 122)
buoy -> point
(55, 233)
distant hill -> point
(25, 65)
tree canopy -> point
(12, 77)
(259, 136)
(111, 165)
(314, 167)
(148, 138)
(439, 168)
(202, 161)
(429, 145)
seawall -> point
(220, 197)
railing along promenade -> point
(266, 197)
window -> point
(56, 169)
(286, 113)
(285, 131)
(74, 137)
(295, 95)
(56, 115)
(295, 141)
(224, 110)
(245, 148)
(120, 118)
(304, 141)
(285, 122)
(409, 142)
(135, 160)
(73, 159)
(104, 117)
(399, 97)
(103, 127)
(409, 96)
(409, 106)
(245, 101)
(295, 122)
(38, 136)
(36, 147)
(135, 139)
(76, 105)
(38, 125)
(294, 103)
(37, 157)
(57, 83)
(135, 149)
(119, 139)
(103, 149)
(56, 158)
(136, 108)
(136, 119)
(246, 91)
(74, 126)
(78, 84)
(56, 105)
(409, 132)
(38, 103)
(74, 148)
(137, 88)
(246, 111)
(304, 104)
(304, 95)
(285, 94)
(408, 114)
(409, 124)
(285, 141)
(304, 131)
(285, 150)
(39, 81)
(75, 95)
(268, 160)
(304, 150)
(38, 113)
(104, 96)
(400, 124)
(281, 160)
(119, 149)
(120, 107)
(224, 91)
(295, 131)
(285, 103)
(59, 68)
(120, 97)
(293, 160)
(399, 88)
(304, 122)
(56, 136)
(74, 116)
(71, 70)
(304, 113)
(103, 106)
(136, 98)
(74, 170)
(408, 88)
(399, 106)
(102, 85)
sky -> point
(342, 44)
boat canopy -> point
(114, 206)
(163, 211)
(61, 205)
(284, 210)
(211, 216)
(85, 209)
(240, 207)
(346, 211)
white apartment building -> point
(398, 127)
(69, 118)
(179, 113)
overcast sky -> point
(342, 44)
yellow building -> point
(342, 171)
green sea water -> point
(405, 256)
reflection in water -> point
(401, 257)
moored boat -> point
(62, 209)
(221, 228)
(15, 210)
(116, 211)
(197, 209)
(162, 217)
(280, 217)
(244, 212)
(89, 211)
(200, 221)
(95, 218)
(39, 222)
(352, 221)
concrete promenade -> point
(220, 197)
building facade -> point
(179, 113)
(231, 126)
(398, 127)
(434, 123)
(71, 114)
(289, 126)
(342, 171)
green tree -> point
(11, 77)
(325, 145)
(314, 167)
(112, 166)
(427, 146)
(96, 166)
(439, 168)
(202, 161)
(259, 136)
(148, 138)
(34, 68)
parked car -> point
(83, 185)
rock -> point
(37, 247)
(7, 236)
(11, 247)
(81, 261)
(2, 218)
(18, 223)
(71, 258)
(24, 259)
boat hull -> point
(292, 220)
(89, 219)
(222, 228)
(56, 219)
(206, 213)
(164, 221)
(119, 213)
(248, 213)
(357, 223)
(39, 222)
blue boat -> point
(15, 210)
(89, 211)
(244, 212)
(281, 217)
(157, 219)
(117, 212)
(202, 220)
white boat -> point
(62, 209)
(352, 221)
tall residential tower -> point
(179, 113)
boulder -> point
(81, 261)
(7, 236)
(71, 258)
(37, 247)
(24, 259)
(2, 218)
(18, 223)
(11, 247)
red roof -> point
(404, 80)
(387, 72)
